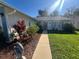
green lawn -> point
(64, 46)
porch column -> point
(4, 24)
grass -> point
(64, 46)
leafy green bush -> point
(33, 29)
(68, 28)
(40, 28)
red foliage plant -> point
(20, 28)
(21, 25)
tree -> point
(72, 12)
(55, 13)
(43, 13)
(76, 12)
(69, 13)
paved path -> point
(43, 49)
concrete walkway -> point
(43, 49)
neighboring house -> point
(53, 23)
(76, 21)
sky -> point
(31, 7)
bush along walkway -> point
(43, 48)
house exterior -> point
(10, 15)
(13, 15)
(53, 23)
(75, 21)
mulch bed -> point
(29, 49)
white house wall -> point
(76, 21)
(13, 18)
(54, 23)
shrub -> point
(33, 29)
(40, 28)
(68, 28)
(20, 26)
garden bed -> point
(29, 49)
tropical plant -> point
(20, 26)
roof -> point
(53, 18)
(6, 4)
